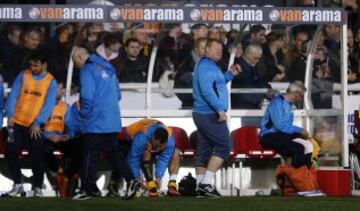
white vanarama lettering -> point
(321, 16)
(83, 13)
(243, 15)
(306, 16)
(10, 13)
(164, 14)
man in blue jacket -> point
(100, 119)
(149, 137)
(141, 141)
(209, 113)
(277, 130)
(30, 103)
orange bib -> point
(291, 180)
(142, 126)
(31, 98)
(56, 121)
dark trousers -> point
(34, 147)
(213, 138)
(93, 145)
(283, 143)
(124, 147)
(72, 151)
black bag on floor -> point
(187, 186)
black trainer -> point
(96, 192)
(209, 191)
(199, 193)
(131, 188)
(113, 189)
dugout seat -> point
(246, 145)
(182, 141)
(122, 134)
(246, 141)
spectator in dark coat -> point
(134, 66)
(183, 78)
(10, 51)
(273, 64)
(59, 49)
(249, 78)
(169, 55)
(29, 42)
(256, 36)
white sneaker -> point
(16, 191)
(38, 192)
(81, 196)
(209, 190)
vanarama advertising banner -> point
(53, 13)
(102, 13)
(148, 14)
(228, 14)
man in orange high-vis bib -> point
(60, 133)
(142, 141)
(30, 103)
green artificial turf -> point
(183, 203)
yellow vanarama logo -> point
(57, 117)
(32, 92)
(226, 14)
(10, 13)
(67, 13)
(155, 14)
(305, 15)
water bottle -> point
(10, 138)
(264, 104)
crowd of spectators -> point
(282, 52)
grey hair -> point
(79, 51)
(251, 48)
(296, 86)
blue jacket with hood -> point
(278, 117)
(99, 97)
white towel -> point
(308, 147)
